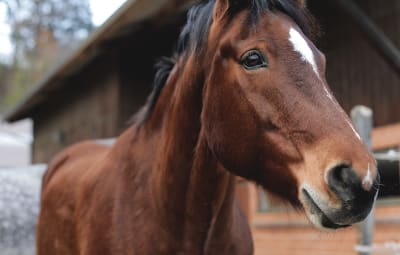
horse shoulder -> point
(61, 183)
(72, 153)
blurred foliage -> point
(43, 33)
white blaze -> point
(301, 46)
(328, 94)
(367, 182)
(354, 130)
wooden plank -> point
(375, 36)
(247, 194)
(386, 137)
(243, 195)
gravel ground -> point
(19, 207)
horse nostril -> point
(344, 181)
(342, 175)
(348, 186)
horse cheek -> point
(232, 131)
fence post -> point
(362, 119)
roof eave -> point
(131, 12)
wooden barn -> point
(96, 90)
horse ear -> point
(302, 3)
(221, 8)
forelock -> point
(194, 34)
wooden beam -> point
(375, 36)
(247, 195)
(386, 137)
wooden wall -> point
(355, 71)
(138, 54)
(99, 101)
(85, 109)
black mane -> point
(195, 32)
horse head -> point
(269, 115)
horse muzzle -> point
(354, 199)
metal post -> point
(362, 119)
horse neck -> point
(189, 186)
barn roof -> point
(123, 21)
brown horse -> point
(245, 95)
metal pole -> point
(362, 119)
(376, 37)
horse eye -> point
(253, 59)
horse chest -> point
(142, 232)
